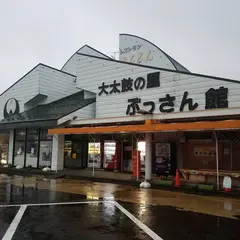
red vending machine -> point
(112, 158)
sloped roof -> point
(50, 112)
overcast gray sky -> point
(204, 36)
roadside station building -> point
(96, 111)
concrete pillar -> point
(57, 152)
(10, 146)
(148, 157)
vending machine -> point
(94, 155)
(163, 158)
(109, 152)
(112, 155)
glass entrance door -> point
(74, 154)
(77, 154)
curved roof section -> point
(70, 65)
(141, 51)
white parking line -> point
(13, 226)
(50, 204)
(141, 225)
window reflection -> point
(32, 153)
(45, 155)
(32, 147)
(19, 151)
(38, 146)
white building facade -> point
(96, 111)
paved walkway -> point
(114, 177)
(99, 174)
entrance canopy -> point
(150, 126)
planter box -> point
(165, 182)
(191, 185)
(206, 187)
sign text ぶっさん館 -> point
(214, 98)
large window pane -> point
(45, 156)
(4, 141)
(20, 135)
(32, 147)
(32, 153)
(32, 134)
(19, 151)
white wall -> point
(55, 84)
(57, 152)
(41, 80)
(23, 91)
(71, 65)
(93, 71)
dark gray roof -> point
(49, 112)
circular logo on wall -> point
(11, 108)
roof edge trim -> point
(164, 69)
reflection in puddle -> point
(228, 206)
(92, 197)
(17, 189)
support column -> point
(57, 152)
(10, 147)
(217, 159)
(148, 157)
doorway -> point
(77, 154)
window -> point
(32, 147)
(32, 153)
(4, 141)
(45, 155)
(20, 135)
(35, 145)
(19, 152)
(19, 147)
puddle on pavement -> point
(78, 189)
(94, 221)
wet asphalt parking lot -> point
(39, 208)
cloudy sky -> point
(204, 36)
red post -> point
(136, 166)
